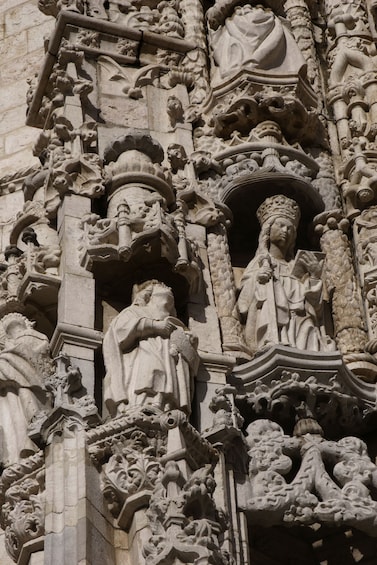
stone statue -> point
(24, 363)
(281, 297)
(254, 38)
(150, 356)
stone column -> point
(224, 290)
(341, 281)
(302, 28)
(75, 334)
(76, 530)
(196, 61)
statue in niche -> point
(281, 297)
(253, 37)
(150, 356)
(24, 363)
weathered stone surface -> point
(213, 394)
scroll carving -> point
(342, 497)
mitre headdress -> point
(279, 206)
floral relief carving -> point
(342, 497)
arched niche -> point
(244, 194)
(115, 282)
(114, 285)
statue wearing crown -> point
(281, 297)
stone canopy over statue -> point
(281, 297)
(253, 37)
(149, 354)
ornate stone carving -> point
(71, 405)
(332, 403)
(302, 30)
(281, 298)
(349, 326)
(245, 110)
(22, 515)
(22, 503)
(366, 231)
(325, 181)
(315, 494)
(150, 356)
(175, 111)
(27, 274)
(158, 460)
(253, 38)
(130, 475)
(24, 365)
(227, 420)
(365, 238)
(184, 520)
(263, 150)
(53, 7)
(231, 109)
(138, 200)
(141, 220)
(139, 426)
(224, 290)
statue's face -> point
(163, 297)
(282, 233)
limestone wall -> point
(22, 31)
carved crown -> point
(279, 206)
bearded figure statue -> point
(150, 356)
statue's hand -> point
(163, 328)
(264, 274)
(312, 265)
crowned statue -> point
(281, 296)
(150, 356)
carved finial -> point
(65, 381)
(29, 236)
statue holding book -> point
(281, 297)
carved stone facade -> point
(188, 282)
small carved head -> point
(157, 292)
(279, 217)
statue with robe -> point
(150, 356)
(253, 37)
(24, 363)
(281, 296)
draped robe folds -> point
(297, 304)
(255, 38)
(149, 370)
(22, 364)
